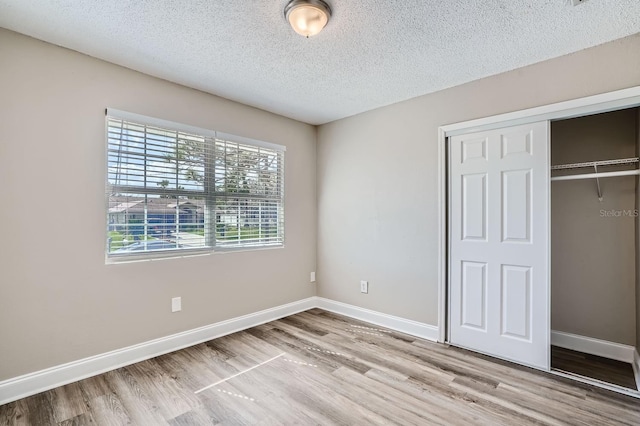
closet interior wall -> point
(593, 243)
(638, 237)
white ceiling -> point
(372, 53)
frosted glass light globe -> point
(307, 18)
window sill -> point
(179, 254)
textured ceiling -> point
(372, 53)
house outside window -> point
(173, 189)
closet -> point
(543, 238)
(594, 245)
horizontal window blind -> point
(174, 190)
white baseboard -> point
(414, 328)
(40, 381)
(592, 346)
(636, 368)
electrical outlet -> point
(312, 277)
(364, 287)
(176, 304)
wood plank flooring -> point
(319, 368)
(608, 370)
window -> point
(174, 188)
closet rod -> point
(596, 163)
(597, 175)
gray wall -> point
(638, 240)
(377, 176)
(593, 256)
(58, 300)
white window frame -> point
(210, 201)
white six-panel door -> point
(499, 251)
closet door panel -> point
(474, 207)
(474, 295)
(516, 143)
(474, 150)
(499, 231)
(515, 306)
(516, 206)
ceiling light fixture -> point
(307, 17)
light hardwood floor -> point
(321, 368)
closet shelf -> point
(596, 163)
(597, 175)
